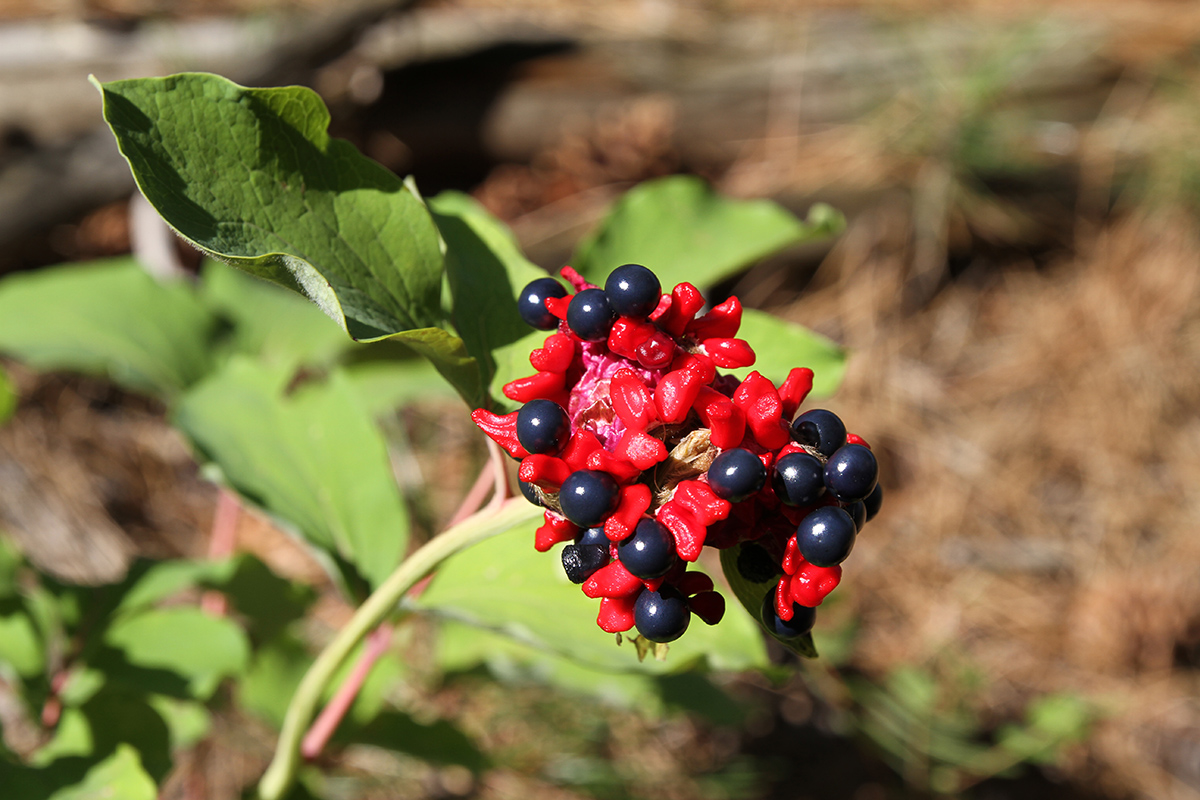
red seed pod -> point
(556, 355)
(502, 429)
(725, 421)
(635, 500)
(686, 300)
(641, 449)
(854, 438)
(612, 581)
(616, 614)
(554, 530)
(729, 353)
(764, 411)
(811, 584)
(793, 391)
(628, 334)
(546, 472)
(656, 352)
(722, 322)
(542, 386)
(632, 400)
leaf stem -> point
(281, 773)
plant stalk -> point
(281, 773)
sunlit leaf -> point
(314, 458)
(685, 231)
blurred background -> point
(1018, 286)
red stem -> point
(331, 716)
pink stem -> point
(491, 478)
(331, 716)
(221, 545)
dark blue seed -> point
(820, 429)
(661, 616)
(858, 512)
(874, 501)
(590, 316)
(648, 552)
(594, 535)
(530, 492)
(580, 561)
(798, 479)
(543, 427)
(587, 497)
(851, 473)
(532, 303)
(633, 291)
(826, 536)
(801, 622)
(736, 475)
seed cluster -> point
(642, 453)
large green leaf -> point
(314, 458)
(485, 270)
(21, 648)
(504, 585)
(198, 647)
(780, 346)
(252, 177)
(109, 318)
(684, 231)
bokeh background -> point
(1018, 285)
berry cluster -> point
(642, 453)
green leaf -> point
(313, 458)
(99, 727)
(10, 564)
(485, 270)
(750, 587)
(269, 322)
(779, 346)
(109, 318)
(20, 646)
(504, 585)
(187, 720)
(119, 776)
(684, 231)
(200, 648)
(252, 177)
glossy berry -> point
(736, 475)
(543, 427)
(593, 536)
(532, 303)
(851, 473)
(590, 316)
(801, 622)
(530, 492)
(661, 616)
(826, 536)
(874, 501)
(633, 291)
(587, 497)
(858, 512)
(820, 429)
(580, 561)
(798, 479)
(649, 551)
